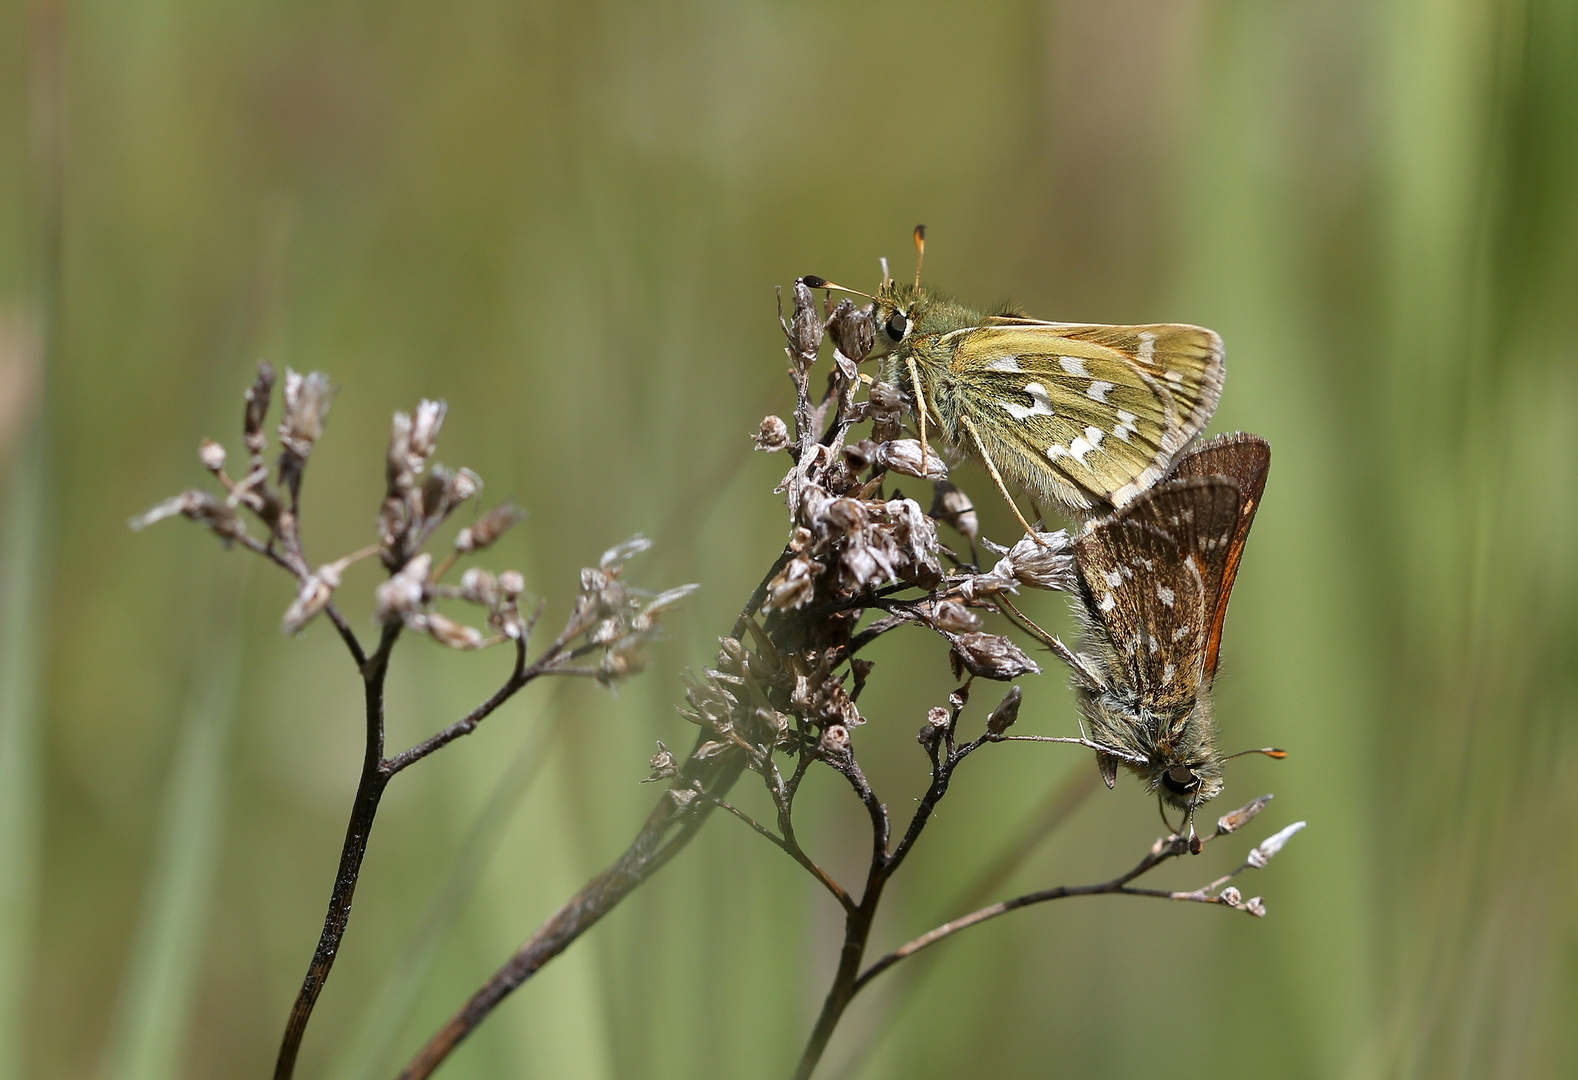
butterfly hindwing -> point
(1245, 459)
(1144, 572)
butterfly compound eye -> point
(1180, 780)
(897, 325)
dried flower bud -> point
(626, 657)
(307, 401)
(482, 533)
(682, 796)
(1237, 819)
(449, 632)
(805, 326)
(313, 596)
(835, 739)
(904, 456)
(885, 398)
(1256, 907)
(710, 748)
(622, 553)
(852, 329)
(201, 507)
(647, 617)
(665, 766)
(397, 465)
(479, 587)
(1231, 896)
(953, 617)
(774, 434)
(1002, 718)
(990, 656)
(426, 425)
(954, 507)
(257, 408)
(793, 587)
(212, 455)
(511, 583)
(402, 595)
(463, 486)
(1045, 562)
(1259, 856)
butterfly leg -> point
(991, 467)
(920, 411)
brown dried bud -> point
(212, 455)
(852, 330)
(774, 434)
(665, 766)
(626, 657)
(793, 587)
(1002, 718)
(1262, 854)
(647, 617)
(1046, 562)
(904, 456)
(482, 533)
(682, 797)
(954, 507)
(835, 739)
(313, 596)
(990, 656)
(805, 325)
(1237, 819)
(953, 617)
(257, 408)
(397, 466)
(402, 595)
(449, 632)
(885, 398)
(201, 507)
(307, 402)
(479, 587)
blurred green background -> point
(568, 221)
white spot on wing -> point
(1098, 390)
(1180, 633)
(1074, 366)
(1114, 578)
(1126, 426)
(1164, 594)
(1174, 379)
(1005, 363)
(1147, 347)
(1041, 404)
(1078, 449)
(1055, 451)
(1094, 435)
(1167, 673)
(1108, 602)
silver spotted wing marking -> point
(1144, 574)
(1096, 414)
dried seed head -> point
(257, 408)
(835, 739)
(397, 465)
(852, 330)
(307, 401)
(805, 326)
(1259, 856)
(426, 425)
(1256, 907)
(774, 434)
(313, 596)
(626, 657)
(1231, 897)
(990, 656)
(1007, 711)
(951, 616)
(904, 456)
(212, 455)
(682, 797)
(646, 619)
(954, 507)
(201, 507)
(403, 594)
(1237, 819)
(512, 583)
(479, 587)
(665, 766)
(481, 534)
(1046, 562)
(622, 553)
(793, 587)
(885, 398)
(447, 631)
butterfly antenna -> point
(1196, 845)
(920, 252)
(887, 278)
(812, 281)
(1269, 751)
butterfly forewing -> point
(1246, 460)
(1144, 572)
(1097, 410)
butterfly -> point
(1085, 417)
(1153, 584)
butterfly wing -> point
(1246, 460)
(1143, 575)
(1094, 414)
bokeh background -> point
(568, 221)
